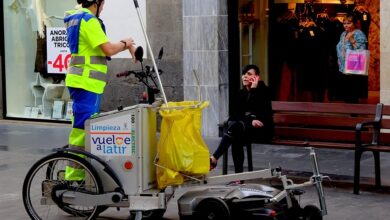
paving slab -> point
(23, 143)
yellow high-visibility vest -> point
(88, 65)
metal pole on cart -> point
(150, 51)
(318, 181)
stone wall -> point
(1, 88)
(374, 45)
(385, 52)
(194, 36)
(165, 29)
(205, 44)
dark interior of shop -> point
(303, 63)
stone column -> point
(165, 29)
(384, 52)
(205, 54)
(1, 87)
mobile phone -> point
(254, 79)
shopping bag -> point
(356, 62)
(181, 148)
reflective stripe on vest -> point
(76, 60)
(72, 23)
(93, 74)
(98, 75)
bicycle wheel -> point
(58, 173)
(47, 176)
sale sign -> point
(58, 53)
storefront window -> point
(31, 91)
(36, 53)
(302, 63)
(305, 63)
(253, 34)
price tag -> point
(58, 53)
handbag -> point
(356, 62)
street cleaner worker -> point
(87, 73)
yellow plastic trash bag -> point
(181, 148)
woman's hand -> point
(351, 38)
(254, 81)
(257, 124)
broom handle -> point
(151, 52)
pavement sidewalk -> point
(337, 164)
(23, 143)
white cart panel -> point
(123, 137)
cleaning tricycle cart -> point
(123, 168)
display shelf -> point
(45, 91)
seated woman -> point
(251, 120)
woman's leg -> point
(234, 131)
(247, 135)
(238, 156)
(223, 146)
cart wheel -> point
(148, 215)
(312, 212)
(212, 209)
(47, 175)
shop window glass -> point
(302, 51)
(34, 81)
(30, 91)
(294, 43)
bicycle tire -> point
(48, 167)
